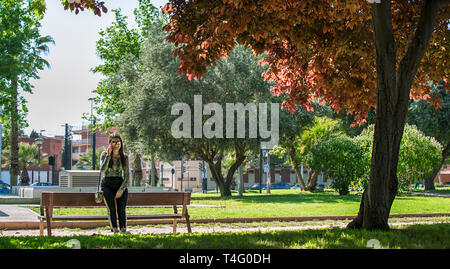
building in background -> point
(51, 146)
(82, 140)
(443, 177)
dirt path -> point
(212, 228)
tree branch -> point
(416, 49)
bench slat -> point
(102, 217)
(134, 199)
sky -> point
(61, 93)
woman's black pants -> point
(116, 207)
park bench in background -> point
(51, 200)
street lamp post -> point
(93, 134)
(39, 142)
(162, 175)
(173, 172)
(268, 172)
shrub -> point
(418, 156)
(340, 158)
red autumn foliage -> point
(95, 5)
(316, 50)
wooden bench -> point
(51, 200)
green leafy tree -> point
(6, 133)
(291, 126)
(291, 146)
(119, 47)
(419, 155)
(21, 46)
(434, 122)
(340, 158)
(147, 117)
(115, 45)
(322, 129)
(34, 134)
(85, 160)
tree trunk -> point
(393, 89)
(214, 158)
(429, 182)
(297, 170)
(14, 141)
(24, 178)
(153, 172)
(269, 179)
(241, 181)
(312, 180)
(224, 183)
(216, 172)
(240, 157)
(137, 170)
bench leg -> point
(49, 224)
(174, 226)
(41, 227)
(188, 223)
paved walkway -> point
(434, 194)
(213, 228)
(15, 213)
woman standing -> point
(114, 166)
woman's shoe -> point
(124, 231)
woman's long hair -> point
(121, 153)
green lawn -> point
(254, 204)
(445, 190)
(410, 237)
(283, 203)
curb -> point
(94, 224)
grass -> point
(438, 189)
(280, 203)
(254, 204)
(407, 237)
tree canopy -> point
(21, 47)
(350, 54)
(149, 103)
(316, 49)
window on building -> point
(193, 179)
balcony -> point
(81, 142)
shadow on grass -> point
(286, 198)
(417, 236)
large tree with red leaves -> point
(350, 54)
